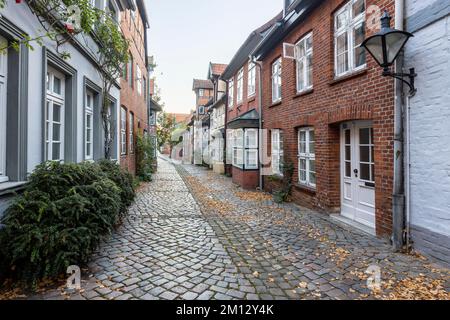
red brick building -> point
(242, 116)
(329, 112)
(134, 92)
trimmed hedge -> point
(61, 217)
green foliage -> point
(121, 178)
(281, 195)
(166, 125)
(60, 219)
(145, 157)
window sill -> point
(306, 189)
(303, 93)
(348, 76)
(276, 103)
(251, 98)
(11, 186)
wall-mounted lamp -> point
(385, 46)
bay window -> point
(304, 64)
(349, 33)
(276, 80)
(277, 152)
(307, 157)
(54, 116)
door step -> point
(349, 222)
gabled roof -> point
(242, 55)
(216, 69)
(202, 84)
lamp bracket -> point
(400, 76)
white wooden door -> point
(3, 101)
(358, 172)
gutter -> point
(400, 198)
(260, 110)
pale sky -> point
(185, 35)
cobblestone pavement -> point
(194, 235)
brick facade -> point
(363, 95)
(134, 30)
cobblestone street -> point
(192, 234)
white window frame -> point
(307, 156)
(251, 85)
(251, 147)
(276, 80)
(307, 64)
(131, 132)
(89, 126)
(231, 93)
(240, 86)
(123, 131)
(348, 28)
(277, 151)
(201, 92)
(138, 80)
(238, 148)
(54, 98)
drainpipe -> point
(260, 135)
(398, 211)
(225, 146)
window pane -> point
(365, 171)
(348, 155)
(347, 136)
(56, 113)
(300, 74)
(358, 7)
(342, 19)
(56, 151)
(360, 53)
(364, 136)
(348, 169)
(309, 74)
(364, 154)
(302, 164)
(57, 85)
(312, 165)
(56, 132)
(312, 178)
(88, 149)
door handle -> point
(356, 173)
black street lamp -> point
(385, 46)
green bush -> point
(123, 179)
(61, 217)
(145, 159)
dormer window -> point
(201, 92)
